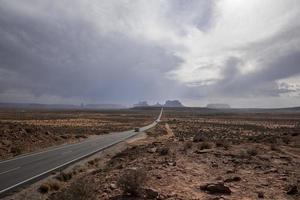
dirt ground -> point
(190, 156)
(23, 131)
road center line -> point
(9, 170)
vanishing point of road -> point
(27, 168)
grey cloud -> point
(260, 82)
(198, 13)
(68, 58)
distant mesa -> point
(157, 105)
(169, 103)
(173, 103)
(103, 106)
(141, 104)
(218, 106)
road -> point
(24, 169)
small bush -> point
(16, 151)
(163, 151)
(49, 186)
(295, 134)
(131, 181)
(198, 138)
(187, 145)
(54, 186)
(64, 176)
(80, 190)
(274, 147)
(223, 144)
(252, 152)
(243, 154)
(44, 188)
(81, 136)
(204, 145)
(286, 140)
(91, 162)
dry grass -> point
(49, 186)
(132, 181)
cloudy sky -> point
(244, 53)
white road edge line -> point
(43, 173)
(9, 170)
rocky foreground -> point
(167, 167)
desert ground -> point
(191, 154)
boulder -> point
(150, 193)
(216, 188)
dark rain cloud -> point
(68, 58)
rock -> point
(48, 133)
(216, 188)
(150, 193)
(230, 171)
(163, 151)
(172, 163)
(232, 179)
(104, 195)
(272, 170)
(113, 186)
(217, 198)
(152, 150)
(203, 151)
(260, 195)
(198, 138)
(214, 165)
(292, 190)
(158, 176)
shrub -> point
(54, 186)
(64, 176)
(187, 145)
(204, 145)
(286, 140)
(91, 162)
(16, 151)
(252, 152)
(131, 181)
(44, 188)
(223, 144)
(49, 186)
(80, 190)
(243, 154)
(163, 151)
(198, 138)
(274, 147)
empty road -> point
(20, 170)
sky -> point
(243, 53)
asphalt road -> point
(24, 169)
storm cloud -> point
(126, 51)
